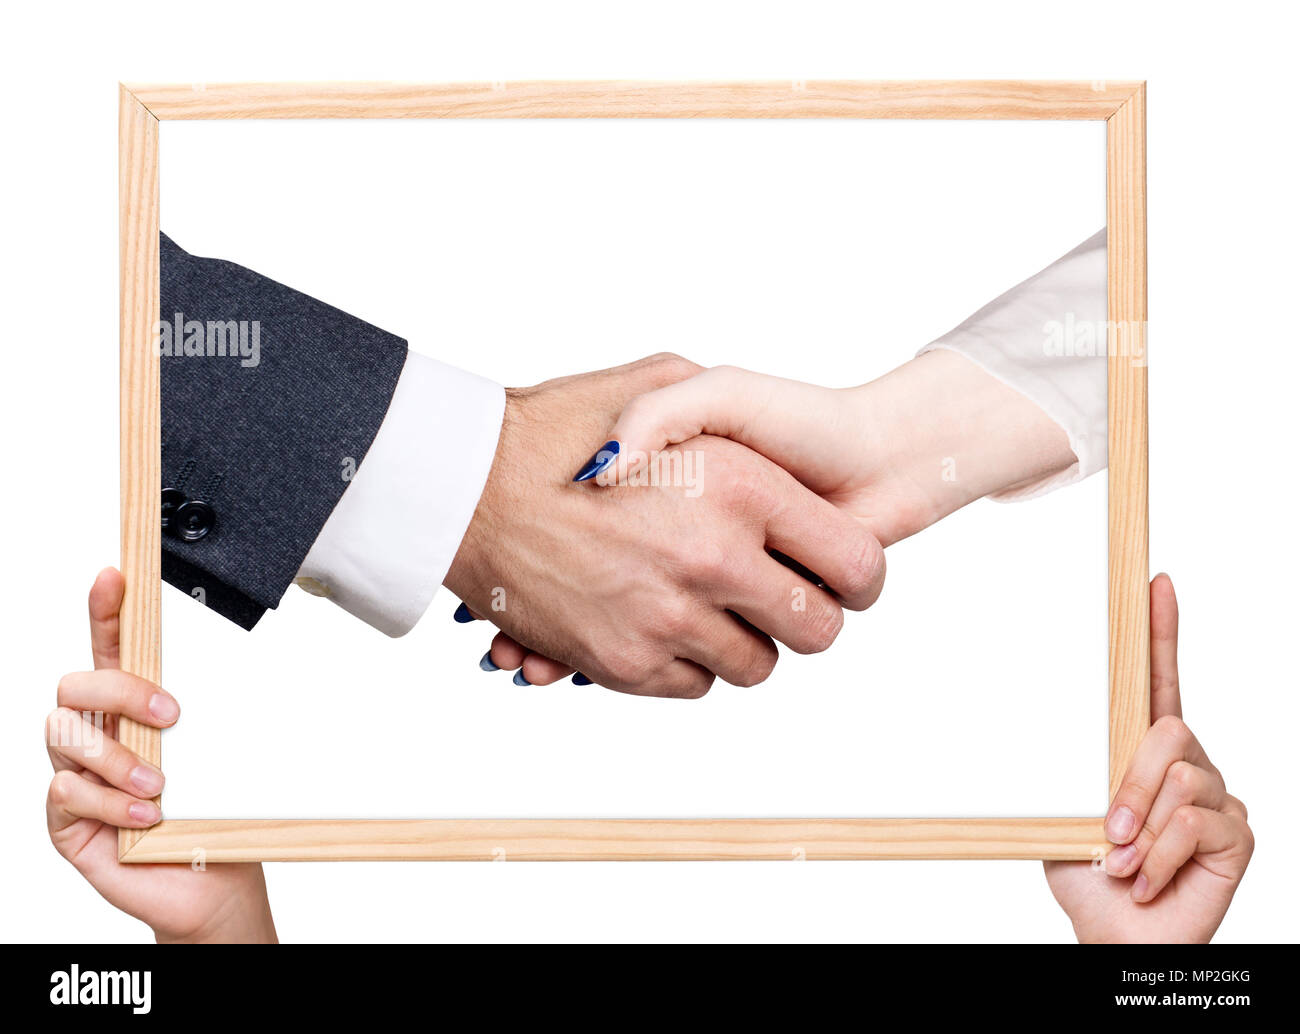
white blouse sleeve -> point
(1047, 339)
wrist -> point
(243, 918)
(468, 576)
(255, 929)
(949, 433)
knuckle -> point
(820, 629)
(664, 357)
(61, 787)
(1173, 729)
(758, 668)
(707, 564)
(670, 367)
(741, 481)
(1182, 777)
(865, 570)
(1187, 819)
(674, 619)
(629, 668)
(692, 689)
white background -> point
(823, 250)
(1222, 225)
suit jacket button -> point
(171, 498)
(193, 520)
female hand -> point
(1182, 841)
(99, 785)
(899, 453)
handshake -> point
(727, 511)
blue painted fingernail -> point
(519, 679)
(579, 679)
(462, 615)
(607, 454)
(486, 663)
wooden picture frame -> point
(1120, 104)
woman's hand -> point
(99, 785)
(1182, 841)
(899, 453)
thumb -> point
(105, 603)
(1165, 696)
(784, 420)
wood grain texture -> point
(933, 99)
(1122, 104)
(619, 840)
(1130, 601)
(140, 428)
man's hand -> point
(653, 588)
(1182, 842)
(99, 785)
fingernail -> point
(1120, 859)
(164, 708)
(1140, 886)
(579, 679)
(1119, 825)
(519, 679)
(149, 781)
(144, 811)
(486, 663)
(603, 458)
(462, 615)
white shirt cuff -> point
(1047, 339)
(387, 546)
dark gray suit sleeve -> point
(270, 399)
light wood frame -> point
(1123, 107)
